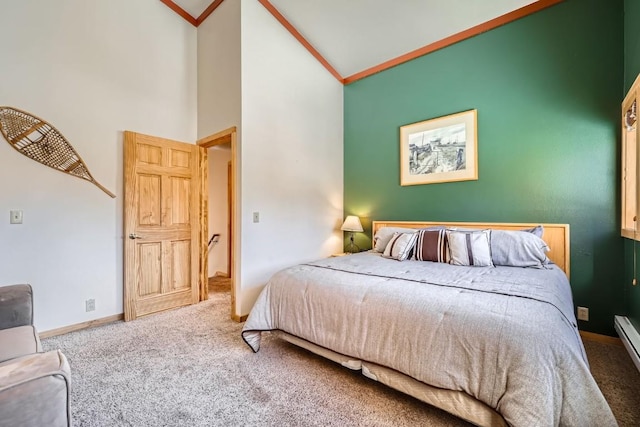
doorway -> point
(219, 238)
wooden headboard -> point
(555, 235)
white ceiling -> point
(354, 35)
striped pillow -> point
(400, 246)
(431, 245)
(382, 237)
(470, 248)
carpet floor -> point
(190, 367)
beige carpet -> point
(618, 379)
(189, 367)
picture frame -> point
(442, 149)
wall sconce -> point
(352, 224)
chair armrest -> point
(34, 390)
(16, 306)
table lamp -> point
(352, 224)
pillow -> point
(470, 247)
(538, 230)
(518, 249)
(400, 246)
(384, 234)
(431, 245)
(434, 227)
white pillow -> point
(384, 234)
(400, 246)
(471, 248)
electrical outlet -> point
(90, 305)
(583, 313)
(15, 217)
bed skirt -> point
(457, 403)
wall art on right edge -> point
(443, 149)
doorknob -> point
(133, 236)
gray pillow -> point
(518, 249)
(538, 230)
(384, 234)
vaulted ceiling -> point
(355, 38)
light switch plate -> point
(15, 217)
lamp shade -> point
(352, 223)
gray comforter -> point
(505, 335)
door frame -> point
(223, 137)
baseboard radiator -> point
(630, 338)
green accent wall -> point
(631, 70)
(631, 42)
(547, 89)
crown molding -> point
(295, 33)
(432, 47)
(458, 37)
(190, 19)
(208, 11)
(180, 11)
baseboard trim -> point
(604, 339)
(80, 326)
(239, 319)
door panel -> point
(149, 271)
(179, 202)
(148, 154)
(162, 229)
(181, 264)
(148, 200)
(180, 158)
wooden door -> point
(161, 224)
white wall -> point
(291, 153)
(93, 69)
(219, 158)
(219, 70)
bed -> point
(495, 344)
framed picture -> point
(443, 149)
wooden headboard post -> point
(555, 235)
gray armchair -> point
(16, 306)
(34, 386)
